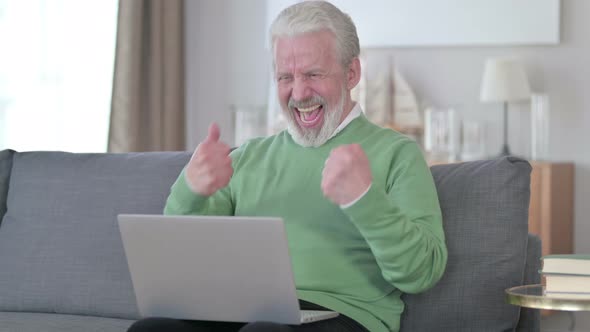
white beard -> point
(314, 137)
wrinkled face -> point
(312, 86)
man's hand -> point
(347, 174)
(210, 166)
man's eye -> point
(284, 78)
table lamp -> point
(504, 80)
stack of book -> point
(567, 275)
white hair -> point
(312, 16)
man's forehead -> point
(305, 49)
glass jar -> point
(441, 134)
(540, 112)
(472, 140)
(249, 121)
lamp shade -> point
(504, 80)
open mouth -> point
(310, 116)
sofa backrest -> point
(60, 247)
(485, 218)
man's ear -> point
(354, 73)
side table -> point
(534, 296)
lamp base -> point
(505, 151)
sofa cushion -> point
(5, 168)
(35, 322)
(60, 246)
(485, 218)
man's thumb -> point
(214, 133)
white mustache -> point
(306, 103)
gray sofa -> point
(62, 265)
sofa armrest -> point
(530, 319)
(485, 208)
(5, 170)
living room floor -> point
(560, 321)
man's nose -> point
(301, 90)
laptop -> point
(233, 269)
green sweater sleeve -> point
(402, 223)
(182, 200)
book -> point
(567, 283)
(566, 264)
(568, 296)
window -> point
(56, 69)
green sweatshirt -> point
(357, 260)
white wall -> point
(207, 56)
(227, 63)
(452, 76)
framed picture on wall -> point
(391, 23)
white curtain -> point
(56, 74)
